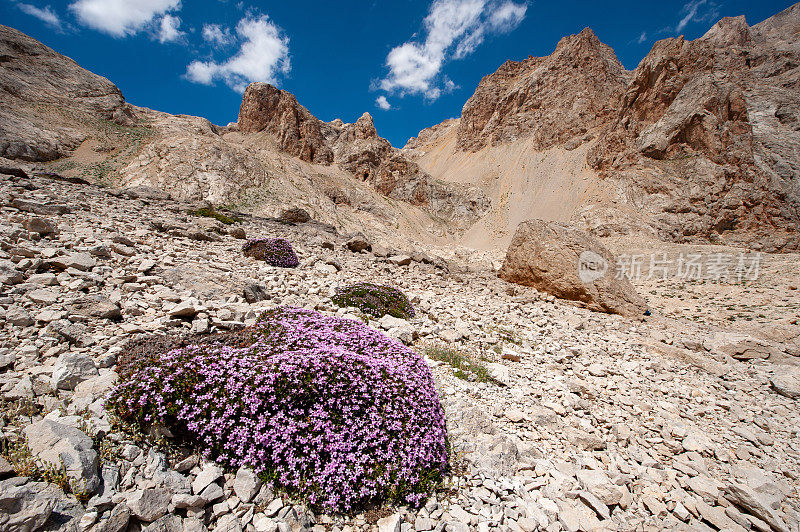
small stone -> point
(399, 260)
(295, 215)
(358, 243)
(787, 382)
(43, 226)
(95, 307)
(254, 292)
(185, 309)
(209, 474)
(19, 317)
(265, 524)
(510, 354)
(146, 265)
(149, 504)
(514, 415)
(681, 512)
(71, 369)
(390, 523)
(274, 507)
(595, 504)
(43, 296)
(79, 261)
(754, 503)
(246, 484)
(117, 520)
(654, 506)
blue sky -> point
(410, 63)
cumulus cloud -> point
(263, 55)
(45, 14)
(383, 103)
(121, 18)
(168, 30)
(453, 29)
(216, 34)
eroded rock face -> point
(356, 148)
(35, 82)
(708, 129)
(298, 132)
(700, 140)
(559, 99)
(548, 256)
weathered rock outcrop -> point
(700, 142)
(47, 100)
(560, 99)
(708, 130)
(566, 262)
(356, 148)
(277, 154)
(298, 132)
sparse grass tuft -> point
(212, 213)
(465, 366)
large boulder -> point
(21, 508)
(569, 264)
(56, 444)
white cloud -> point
(692, 12)
(216, 34)
(453, 30)
(45, 14)
(120, 18)
(642, 37)
(262, 56)
(168, 29)
(383, 103)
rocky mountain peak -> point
(298, 132)
(556, 99)
(729, 31)
(783, 26)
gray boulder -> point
(149, 504)
(55, 443)
(72, 369)
(95, 307)
(22, 506)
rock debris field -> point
(558, 418)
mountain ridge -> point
(697, 144)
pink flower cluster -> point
(275, 251)
(327, 408)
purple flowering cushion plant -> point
(275, 251)
(375, 300)
(326, 408)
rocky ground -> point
(684, 420)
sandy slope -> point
(522, 183)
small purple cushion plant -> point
(275, 251)
(326, 408)
(375, 300)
